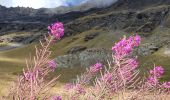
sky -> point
(53, 3)
(40, 3)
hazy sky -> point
(39, 3)
(53, 3)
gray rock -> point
(85, 58)
(70, 60)
(91, 56)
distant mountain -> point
(30, 14)
(125, 15)
(20, 18)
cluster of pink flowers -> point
(123, 70)
(57, 30)
(122, 50)
(157, 71)
(125, 46)
(155, 74)
(154, 78)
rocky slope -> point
(150, 18)
(27, 20)
(129, 15)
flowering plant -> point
(32, 84)
(99, 82)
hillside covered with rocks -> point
(85, 28)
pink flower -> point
(125, 46)
(157, 71)
(155, 74)
(122, 50)
(133, 63)
(153, 81)
(57, 30)
(96, 68)
(128, 49)
(56, 98)
(137, 40)
(166, 85)
(52, 65)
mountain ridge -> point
(125, 15)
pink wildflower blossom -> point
(157, 71)
(166, 85)
(96, 68)
(153, 81)
(57, 30)
(137, 40)
(125, 46)
(133, 63)
(122, 51)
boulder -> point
(148, 49)
(85, 58)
